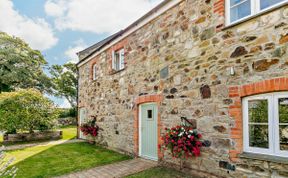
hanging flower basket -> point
(183, 142)
(90, 129)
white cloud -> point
(53, 9)
(101, 16)
(36, 32)
(72, 50)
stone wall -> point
(37, 136)
(186, 55)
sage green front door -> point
(148, 129)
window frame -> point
(277, 131)
(255, 10)
(273, 127)
(94, 72)
(118, 64)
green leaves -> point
(26, 110)
(21, 66)
(64, 81)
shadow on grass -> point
(48, 161)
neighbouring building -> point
(221, 64)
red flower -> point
(89, 129)
(185, 145)
(196, 151)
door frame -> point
(157, 99)
(140, 130)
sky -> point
(60, 28)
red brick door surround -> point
(236, 93)
(142, 100)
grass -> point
(48, 161)
(159, 172)
(69, 132)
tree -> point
(64, 81)
(26, 110)
(21, 66)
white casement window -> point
(265, 124)
(94, 73)
(118, 60)
(238, 10)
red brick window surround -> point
(219, 10)
(236, 93)
(111, 53)
(92, 68)
(141, 100)
(118, 59)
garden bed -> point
(37, 136)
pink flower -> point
(196, 151)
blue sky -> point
(60, 28)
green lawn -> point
(48, 161)
(160, 172)
(69, 132)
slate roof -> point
(96, 47)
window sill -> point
(262, 157)
(117, 71)
(254, 16)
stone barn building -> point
(222, 64)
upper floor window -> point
(241, 9)
(266, 124)
(118, 62)
(94, 73)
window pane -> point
(233, 2)
(94, 71)
(258, 123)
(149, 113)
(240, 11)
(267, 3)
(258, 136)
(117, 61)
(258, 111)
(283, 137)
(283, 110)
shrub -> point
(69, 112)
(26, 110)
